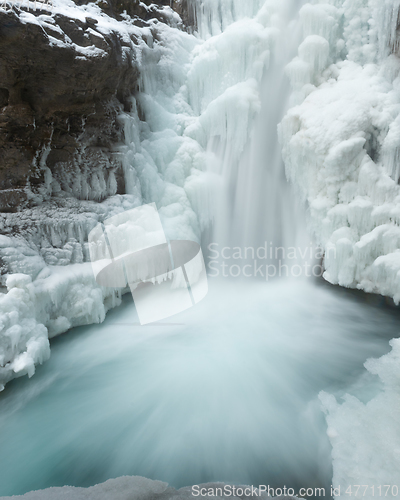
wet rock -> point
(58, 101)
(63, 84)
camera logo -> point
(165, 277)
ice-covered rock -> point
(68, 70)
(340, 143)
(32, 312)
(189, 95)
(23, 340)
(366, 435)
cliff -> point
(69, 74)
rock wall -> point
(59, 108)
(70, 156)
(66, 75)
(62, 85)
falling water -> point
(228, 390)
(255, 205)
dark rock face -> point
(63, 84)
(142, 10)
(145, 10)
(59, 103)
(58, 108)
(185, 9)
(136, 9)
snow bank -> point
(341, 149)
(23, 340)
(32, 312)
(138, 488)
(123, 488)
(340, 142)
(366, 436)
(51, 288)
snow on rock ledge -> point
(340, 143)
(32, 312)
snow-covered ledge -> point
(33, 312)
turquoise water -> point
(227, 390)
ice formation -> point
(190, 96)
(340, 142)
(199, 95)
(52, 287)
(365, 436)
(123, 488)
(340, 145)
(140, 488)
(24, 340)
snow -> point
(140, 488)
(189, 94)
(102, 23)
(123, 488)
(23, 340)
(365, 436)
(340, 140)
(340, 146)
(33, 312)
(201, 92)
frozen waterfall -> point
(255, 205)
(233, 389)
(208, 152)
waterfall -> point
(254, 208)
(255, 203)
(212, 17)
(228, 392)
(212, 104)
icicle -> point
(112, 184)
(390, 156)
(387, 18)
(213, 16)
